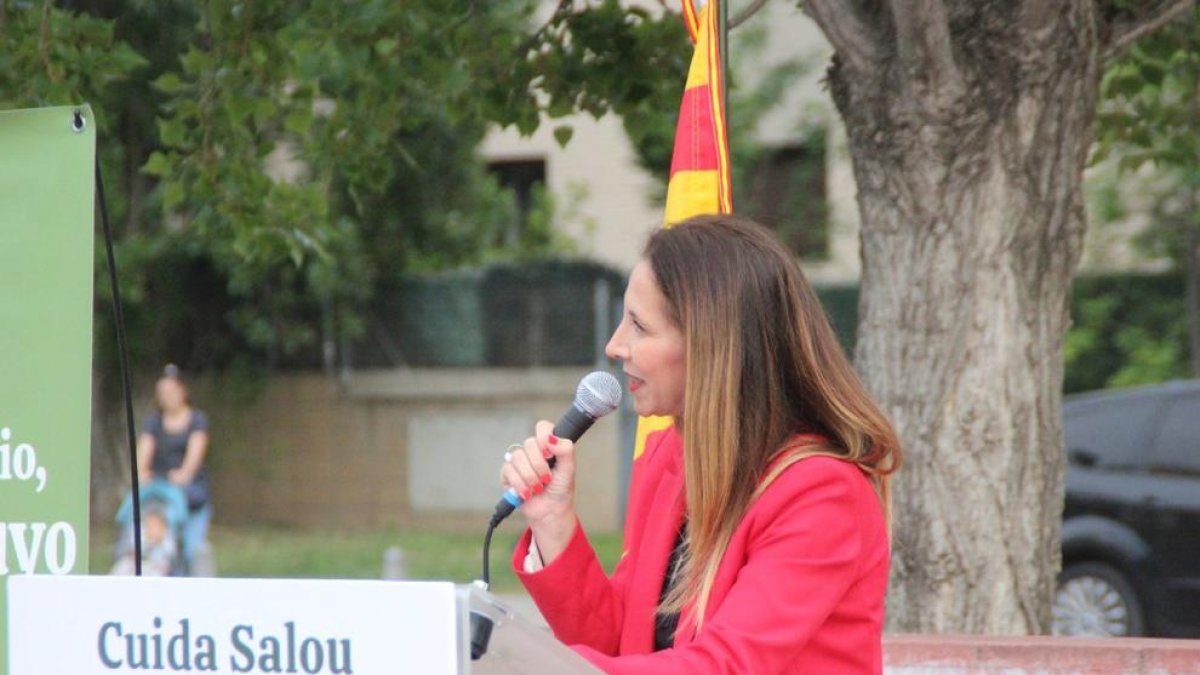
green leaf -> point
(563, 134)
(157, 164)
(168, 83)
(172, 195)
(171, 132)
(561, 106)
(527, 121)
(386, 46)
(298, 122)
(265, 109)
(196, 61)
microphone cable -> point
(487, 546)
(122, 352)
(480, 624)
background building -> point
(607, 203)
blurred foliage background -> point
(271, 166)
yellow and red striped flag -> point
(700, 177)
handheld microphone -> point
(598, 394)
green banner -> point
(46, 223)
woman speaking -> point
(757, 533)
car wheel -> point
(1095, 600)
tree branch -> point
(746, 13)
(926, 52)
(851, 36)
(1124, 32)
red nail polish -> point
(546, 479)
(537, 489)
(525, 495)
(553, 440)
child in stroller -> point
(164, 510)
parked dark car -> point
(1131, 527)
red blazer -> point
(799, 590)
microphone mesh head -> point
(598, 394)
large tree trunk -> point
(969, 146)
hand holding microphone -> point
(544, 465)
(527, 470)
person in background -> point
(757, 536)
(172, 447)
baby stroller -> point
(164, 512)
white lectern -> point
(93, 625)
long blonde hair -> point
(763, 365)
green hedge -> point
(541, 313)
(1127, 329)
(841, 304)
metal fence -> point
(552, 313)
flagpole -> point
(723, 47)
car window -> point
(1114, 432)
(1177, 449)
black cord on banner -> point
(119, 322)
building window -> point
(524, 177)
(786, 191)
